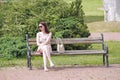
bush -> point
(70, 28)
(12, 47)
(64, 19)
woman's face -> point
(41, 27)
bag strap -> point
(59, 41)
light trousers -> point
(46, 50)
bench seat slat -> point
(84, 42)
(82, 52)
(85, 52)
(76, 52)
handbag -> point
(60, 46)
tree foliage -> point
(64, 19)
(11, 47)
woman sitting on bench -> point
(43, 39)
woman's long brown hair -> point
(45, 25)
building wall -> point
(117, 10)
(111, 10)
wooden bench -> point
(96, 40)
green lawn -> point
(93, 7)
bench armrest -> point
(28, 47)
(106, 48)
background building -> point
(111, 10)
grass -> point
(93, 7)
(84, 60)
(101, 27)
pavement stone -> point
(62, 73)
(108, 36)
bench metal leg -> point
(104, 59)
(30, 66)
(28, 62)
(107, 62)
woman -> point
(43, 39)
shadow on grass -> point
(89, 19)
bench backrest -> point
(88, 40)
(32, 41)
(81, 40)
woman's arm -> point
(48, 39)
(37, 39)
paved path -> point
(109, 36)
(62, 73)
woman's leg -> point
(49, 58)
(38, 50)
(45, 61)
(47, 51)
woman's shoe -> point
(46, 70)
(52, 65)
(38, 53)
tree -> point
(64, 19)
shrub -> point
(64, 19)
(12, 47)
